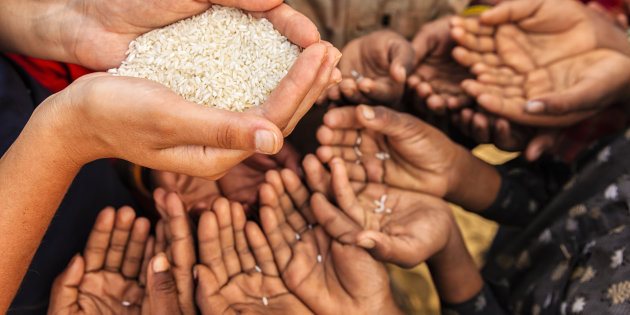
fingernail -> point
(337, 60)
(535, 107)
(160, 264)
(367, 243)
(266, 141)
(196, 275)
(402, 73)
(367, 112)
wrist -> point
(472, 183)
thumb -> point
(65, 289)
(401, 58)
(511, 11)
(586, 95)
(385, 248)
(161, 287)
(390, 122)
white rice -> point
(222, 58)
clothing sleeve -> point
(525, 189)
(484, 303)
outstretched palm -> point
(395, 149)
(314, 266)
(233, 279)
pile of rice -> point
(222, 58)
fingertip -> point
(160, 264)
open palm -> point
(232, 278)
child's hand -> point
(237, 273)
(107, 276)
(381, 145)
(374, 70)
(437, 77)
(394, 225)
(330, 277)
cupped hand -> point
(328, 276)
(105, 280)
(237, 273)
(396, 226)
(374, 70)
(437, 77)
(98, 34)
(559, 94)
(535, 36)
(384, 146)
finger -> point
(149, 252)
(382, 90)
(389, 249)
(437, 104)
(327, 153)
(282, 252)
(160, 237)
(261, 249)
(540, 144)
(473, 41)
(390, 122)
(285, 100)
(120, 237)
(337, 224)
(510, 11)
(182, 248)
(318, 178)
(326, 74)
(584, 96)
(239, 220)
(159, 196)
(300, 197)
(342, 118)
(471, 25)
(350, 92)
(161, 287)
(338, 137)
(289, 22)
(98, 241)
(136, 248)
(481, 128)
(401, 56)
(65, 289)
(228, 130)
(468, 58)
(210, 253)
(209, 299)
(223, 211)
(344, 194)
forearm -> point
(35, 28)
(454, 272)
(34, 178)
(474, 184)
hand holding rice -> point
(222, 58)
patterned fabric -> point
(572, 256)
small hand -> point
(374, 69)
(383, 146)
(237, 273)
(437, 76)
(106, 279)
(314, 266)
(396, 226)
